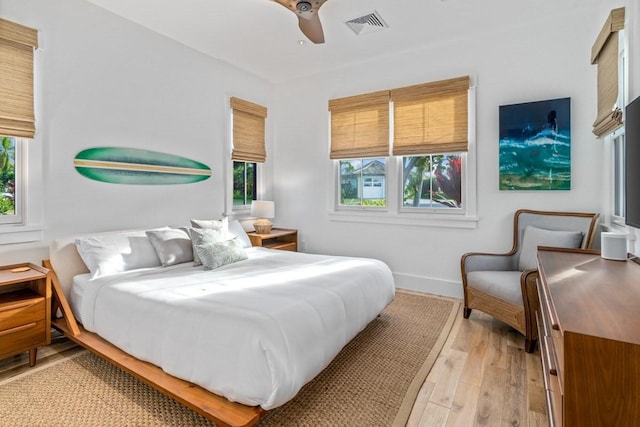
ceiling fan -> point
(308, 19)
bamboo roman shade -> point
(431, 118)
(604, 53)
(17, 44)
(360, 126)
(248, 131)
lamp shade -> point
(262, 209)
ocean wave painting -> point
(535, 145)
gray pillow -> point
(172, 245)
(214, 254)
(534, 237)
(200, 236)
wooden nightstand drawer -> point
(25, 307)
(22, 337)
(280, 238)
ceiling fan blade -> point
(312, 28)
(308, 19)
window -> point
(244, 182)
(19, 154)
(10, 182)
(363, 182)
(433, 181)
(409, 150)
(248, 150)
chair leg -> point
(466, 312)
(530, 345)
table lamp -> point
(263, 210)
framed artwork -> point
(535, 145)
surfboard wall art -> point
(138, 167)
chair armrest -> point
(480, 261)
(531, 302)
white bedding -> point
(254, 331)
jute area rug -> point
(373, 381)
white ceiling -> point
(261, 36)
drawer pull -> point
(547, 355)
(17, 329)
(15, 305)
(548, 308)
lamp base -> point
(263, 226)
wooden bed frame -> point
(213, 407)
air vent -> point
(367, 24)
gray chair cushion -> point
(534, 237)
(502, 284)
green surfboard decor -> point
(135, 166)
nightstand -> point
(280, 238)
(25, 310)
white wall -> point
(523, 61)
(104, 81)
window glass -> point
(363, 182)
(432, 181)
(9, 184)
(244, 182)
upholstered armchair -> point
(504, 285)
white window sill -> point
(424, 220)
(11, 234)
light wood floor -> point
(483, 377)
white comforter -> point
(254, 331)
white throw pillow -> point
(237, 230)
(173, 246)
(111, 253)
(534, 237)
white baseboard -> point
(430, 285)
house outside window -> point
(363, 182)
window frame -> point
(465, 217)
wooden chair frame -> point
(522, 318)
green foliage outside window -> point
(7, 175)
(244, 183)
(433, 181)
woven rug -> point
(372, 382)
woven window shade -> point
(604, 53)
(17, 43)
(248, 131)
(431, 118)
(360, 126)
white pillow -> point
(111, 253)
(237, 230)
(233, 228)
(173, 245)
(534, 237)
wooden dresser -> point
(589, 329)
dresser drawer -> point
(22, 338)
(21, 312)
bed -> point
(231, 342)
